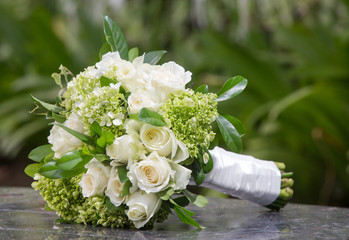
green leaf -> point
(101, 157)
(182, 201)
(122, 173)
(104, 49)
(230, 134)
(115, 37)
(73, 160)
(39, 153)
(151, 117)
(48, 106)
(105, 81)
(231, 88)
(111, 207)
(31, 169)
(82, 137)
(132, 54)
(236, 123)
(153, 57)
(57, 78)
(50, 170)
(185, 215)
(202, 89)
(107, 138)
(198, 200)
(126, 188)
(166, 194)
(133, 116)
(95, 129)
(198, 173)
(58, 117)
(61, 220)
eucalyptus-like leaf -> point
(82, 137)
(107, 138)
(153, 57)
(126, 188)
(185, 215)
(230, 135)
(48, 106)
(236, 123)
(105, 81)
(132, 54)
(202, 89)
(73, 160)
(39, 153)
(231, 88)
(122, 173)
(198, 200)
(151, 117)
(166, 194)
(31, 169)
(50, 170)
(115, 37)
(104, 49)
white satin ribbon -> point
(244, 177)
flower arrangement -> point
(127, 136)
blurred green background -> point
(295, 55)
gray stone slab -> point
(22, 216)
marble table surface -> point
(22, 216)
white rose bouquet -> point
(128, 137)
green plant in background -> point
(294, 53)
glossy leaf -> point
(50, 170)
(202, 89)
(31, 169)
(73, 160)
(132, 54)
(104, 49)
(209, 165)
(230, 134)
(153, 57)
(122, 173)
(39, 153)
(185, 215)
(231, 88)
(236, 123)
(151, 117)
(126, 188)
(115, 37)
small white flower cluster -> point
(152, 155)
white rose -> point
(156, 139)
(170, 77)
(163, 141)
(142, 207)
(114, 188)
(181, 176)
(108, 59)
(62, 141)
(139, 99)
(123, 149)
(152, 174)
(95, 180)
(125, 71)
